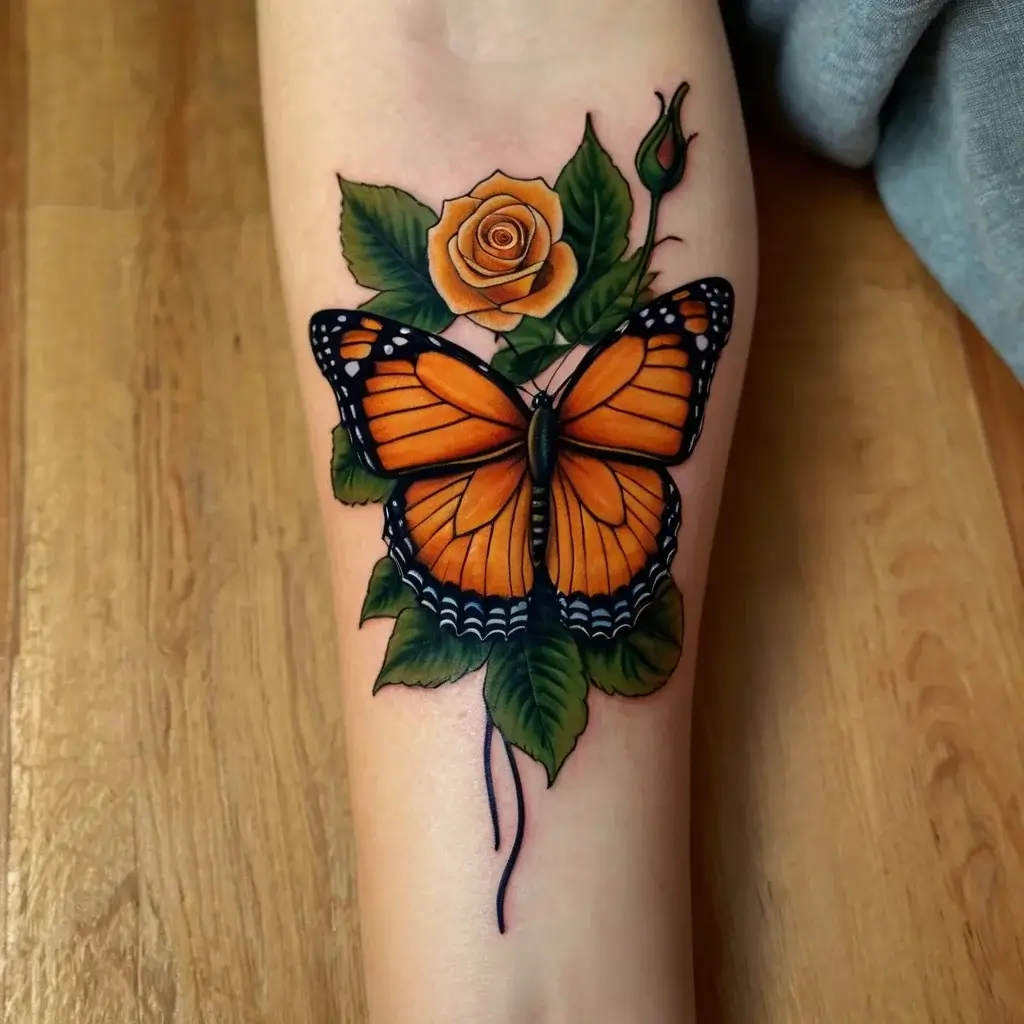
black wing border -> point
(651, 320)
(395, 340)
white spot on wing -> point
(352, 367)
(702, 342)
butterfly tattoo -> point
(500, 499)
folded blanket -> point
(931, 94)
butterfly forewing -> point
(641, 393)
(412, 402)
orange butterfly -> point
(497, 500)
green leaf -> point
(386, 595)
(647, 295)
(421, 653)
(419, 309)
(531, 333)
(640, 660)
(536, 692)
(603, 305)
(353, 483)
(597, 207)
(534, 350)
(384, 239)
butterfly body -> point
(499, 503)
(541, 438)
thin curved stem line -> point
(519, 359)
(518, 841)
(558, 369)
(647, 248)
(492, 802)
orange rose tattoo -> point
(496, 254)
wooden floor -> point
(174, 839)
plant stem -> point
(647, 249)
(492, 802)
(518, 841)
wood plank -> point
(73, 883)
(1000, 401)
(243, 834)
(13, 182)
(180, 840)
(858, 842)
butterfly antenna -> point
(508, 341)
(558, 368)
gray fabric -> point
(932, 94)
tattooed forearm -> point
(528, 513)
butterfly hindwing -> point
(461, 541)
(611, 539)
(410, 401)
(642, 391)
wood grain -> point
(13, 183)
(177, 846)
(1000, 400)
(858, 839)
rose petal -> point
(476, 277)
(540, 245)
(533, 192)
(519, 223)
(488, 259)
(558, 277)
(510, 291)
(468, 227)
(484, 263)
(459, 296)
(469, 231)
(495, 320)
(503, 219)
(454, 213)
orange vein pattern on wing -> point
(605, 517)
(634, 396)
(435, 410)
(471, 528)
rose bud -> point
(661, 158)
